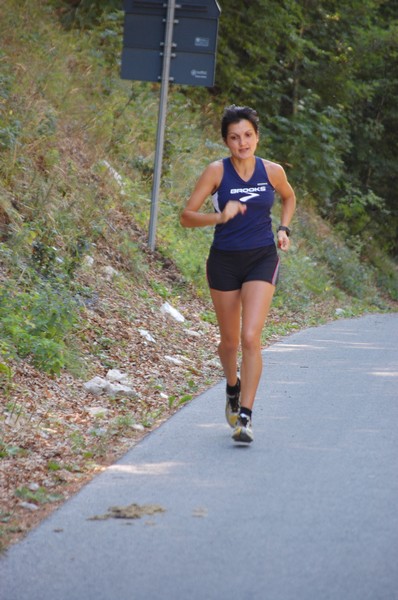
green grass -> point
(37, 496)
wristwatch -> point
(284, 228)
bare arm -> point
(206, 185)
(279, 180)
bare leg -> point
(256, 300)
(228, 311)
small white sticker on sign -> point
(199, 74)
(202, 42)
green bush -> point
(36, 324)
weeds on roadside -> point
(36, 323)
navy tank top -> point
(254, 228)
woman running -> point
(243, 263)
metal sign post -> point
(161, 123)
(157, 46)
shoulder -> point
(216, 167)
(275, 171)
(273, 167)
(213, 174)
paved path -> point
(308, 512)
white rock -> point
(116, 375)
(33, 487)
(88, 261)
(174, 360)
(96, 411)
(118, 389)
(192, 333)
(116, 176)
(147, 335)
(138, 427)
(213, 362)
(96, 385)
(16, 421)
(28, 506)
(111, 385)
(166, 308)
(109, 272)
(339, 311)
(97, 431)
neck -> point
(244, 166)
(243, 161)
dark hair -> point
(234, 114)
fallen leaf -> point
(199, 512)
(132, 511)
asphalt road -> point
(307, 512)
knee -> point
(229, 344)
(251, 341)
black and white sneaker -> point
(243, 429)
(232, 406)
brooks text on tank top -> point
(254, 228)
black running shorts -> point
(228, 270)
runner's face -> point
(242, 139)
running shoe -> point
(232, 406)
(243, 430)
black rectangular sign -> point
(185, 68)
(194, 41)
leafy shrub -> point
(303, 281)
(343, 264)
(37, 323)
(354, 212)
(350, 275)
(86, 13)
(318, 135)
(5, 375)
